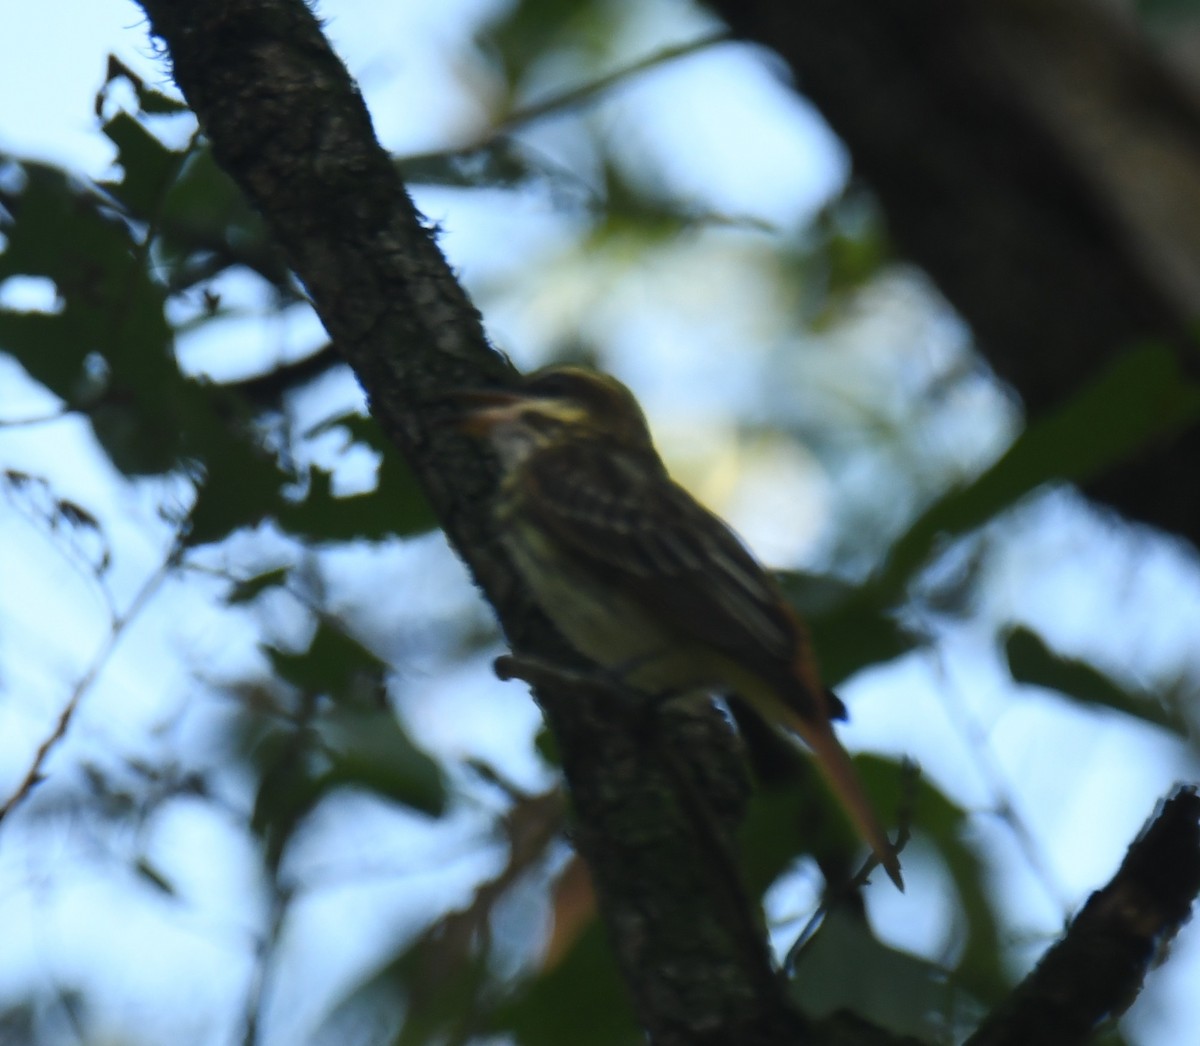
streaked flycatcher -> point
(639, 577)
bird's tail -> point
(834, 763)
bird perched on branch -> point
(639, 577)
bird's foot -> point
(538, 672)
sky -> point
(1060, 566)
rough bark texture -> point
(287, 123)
(1042, 165)
(1097, 969)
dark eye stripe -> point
(561, 383)
(596, 393)
(540, 422)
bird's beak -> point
(477, 411)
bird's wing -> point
(650, 537)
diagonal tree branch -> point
(287, 123)
(1096, 971)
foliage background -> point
(293, 762)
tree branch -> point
(1096, 970)
(286, 122)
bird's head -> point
(551, 406)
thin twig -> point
(911, 773)
(281, 893)
(117, 629)
(576, 96)
(573, 97)
(281, 899)
(1002, 796)
(455, 948)
(37, 419)
(45, 519)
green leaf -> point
(581, 1001)
(290, 786)
(149, 100)
(397, 506)
(801, 816)
(334, 664)
(108, 350)
(59, 229)
(441, 985)
(1031, 661)
(852, 626)
(148, 166)
(546, 745)
(530, 28)
(205, 197)
(49, 350)
(439, 1008)
(369, 749)
(845, 967)
(138, 441)
(239, 488)
(943, 822)
(852, 246)
(242, 485)
(206, 214)
(239, 484)
(786, 821)
(1141, 397)
(338, 747)
(859, 634)
(109, 305)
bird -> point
(639, 577)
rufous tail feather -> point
(834, 762)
